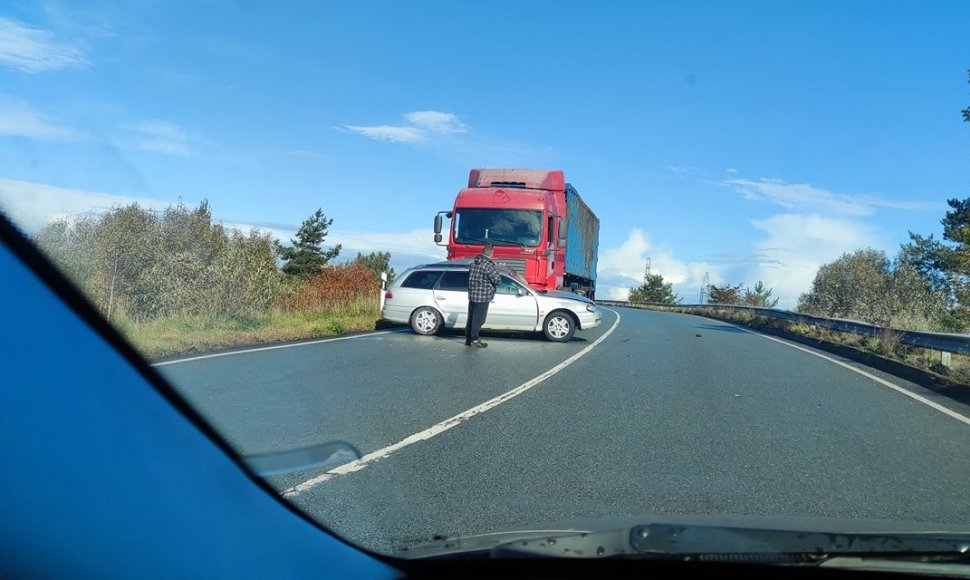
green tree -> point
(377, 262)
(760, 296)
(137, 264)
(125, 246)
(866, 285)
(726, 294)
(306, 256)
(849, 287)
(654, 291)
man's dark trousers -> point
(476, 318)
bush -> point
(334, 287)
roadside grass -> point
(194, 334)
(886, 344)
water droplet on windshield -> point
(600, 551)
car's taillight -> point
(388, 295)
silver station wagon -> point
(435, 296)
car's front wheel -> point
(426, 320)
(559, 327)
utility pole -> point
(646, 271)
(704, 285)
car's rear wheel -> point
(559, 327)
(426, 320)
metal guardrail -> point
(943, 342)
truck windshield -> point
(499, 227)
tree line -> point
(139, 265)
(655, 290)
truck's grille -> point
(514, 265)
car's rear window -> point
(424, 280)
(454, 281)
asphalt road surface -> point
(651, 413)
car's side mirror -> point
(520, 291)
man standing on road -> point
(483, 277)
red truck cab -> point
(525, 215)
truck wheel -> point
(559, 327)
(426, 321)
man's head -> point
(488, 250)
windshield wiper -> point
(489, 241)
(471, 240)
(521, 245)
(711, 543)
(716, 543)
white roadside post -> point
(383, 288)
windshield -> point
(765, 205)
(499, 227)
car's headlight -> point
(591, 308)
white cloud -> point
(166, 138)
(803, 197)
(390, 133)
(304, 154)
(17, 119)
(680, 170)
(407, 248)
(731, 170)
(416, 242)
(797, 245)
(421, 124)
(622, 268)
(33, 205)
(436, 121)
(34, 50)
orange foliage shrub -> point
(335, 287)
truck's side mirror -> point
(437, 229)
(562, 232)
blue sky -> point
(746, 140)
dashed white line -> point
(447, 424)
(275, 347)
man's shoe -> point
(480, 344)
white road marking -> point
(447, 424)
(262, 348)
(881, 381)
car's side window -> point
(507, 286)
(424, 280)
(456, 281)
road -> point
(652, 413)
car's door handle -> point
(440, 298)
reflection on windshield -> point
(499, 227)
